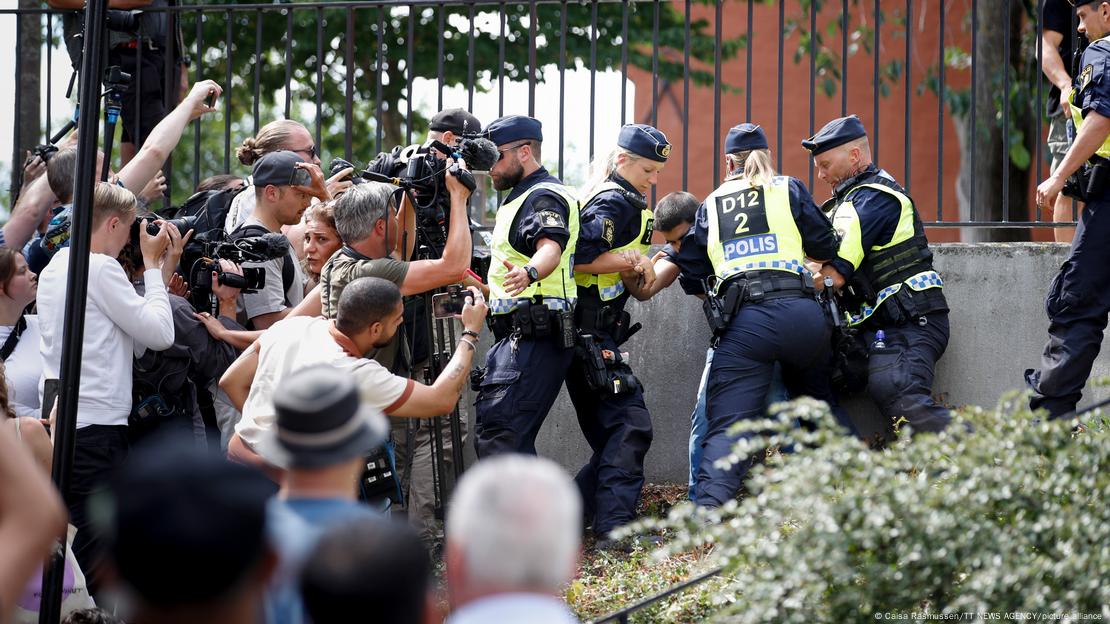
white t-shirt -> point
(120, 324)
(23, 368)
(241, 208)
(295, 343)
(273, 297)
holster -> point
(1090, 182)
(605, 371)
(849, 370)
(597, 376)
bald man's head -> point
(843, 161)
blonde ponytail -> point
(600, 170)
(755, 166)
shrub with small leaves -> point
(1002, 512)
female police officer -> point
(749, 241)
(616, 228)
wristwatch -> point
(533, 274)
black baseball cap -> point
(455, 120)
(276, 168)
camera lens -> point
(184, 225)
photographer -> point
(128, 30)
(166, 382)
(119, 323)
(135, 175)
(367, 319)
(283, 186)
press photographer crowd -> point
(271, 373)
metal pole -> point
(92, 65)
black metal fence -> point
(951, 91)
(961, 126)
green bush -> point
(1013, 516)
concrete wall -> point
(996, 293)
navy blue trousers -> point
(900, 376)
(1077, 305)
(618, 430)
(790, 332)
(521, 383)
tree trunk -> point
(28, 126)
(984, 200)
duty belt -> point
(759, 286)
(922, 281)
(505, 306)
(533, 319)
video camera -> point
(421, 171)
(203, 256)
(209, 245)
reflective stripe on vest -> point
(922, 281)
(557, 289)
(903, 232)
(751, 228)
(610, 285)
(1081, 81)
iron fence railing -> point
(939, 89)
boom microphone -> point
(265, 247)
(480, 154)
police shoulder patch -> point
(1086, 75)
(550, 218)
(608, 230)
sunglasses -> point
(501, 152)
(310, 150)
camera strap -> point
(13, 338)
(288, 271)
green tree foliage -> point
(1011, 516)
(468, 38)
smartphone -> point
(450, 303)
(300, 177)
(50, 389)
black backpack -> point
(211, 206)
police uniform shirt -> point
(818, 238)
(689, 285)
(543, 215)
(878, 212)
(1092, 82)
(608, 222)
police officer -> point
(532, 293)
(615, 236)
(1079, 298)
(749, 241)
(884, 259)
